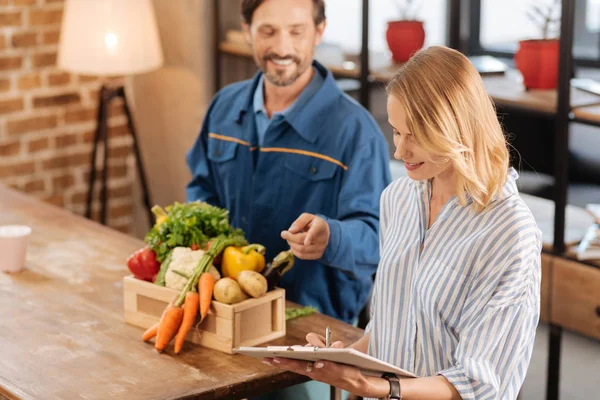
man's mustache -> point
(273, 56)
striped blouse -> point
(467, 307)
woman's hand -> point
(341, 376)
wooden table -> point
(62, 334)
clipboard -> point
(368, 365)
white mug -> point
(13, 246)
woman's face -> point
(418, 162)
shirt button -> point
(217, 153)
(313, 170)
(244, 220)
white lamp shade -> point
(109, 37)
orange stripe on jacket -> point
(303, 152)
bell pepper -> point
(160, 214)
(143, 264)
(238, 259)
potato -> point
(252, 283)
(228, 291)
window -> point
(344, 23)
(501, 24)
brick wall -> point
(47, 117)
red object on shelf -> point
(404, 39)
(537, 60)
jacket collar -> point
(307, 120)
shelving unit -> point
(562, 106)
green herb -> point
(188, 224)
(295, 312)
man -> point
(295, 160)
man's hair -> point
(249, 6)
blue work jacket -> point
(328, 157)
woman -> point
(456, 299)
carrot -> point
(150, 332)
(205, 290)
(190, 309)
(169, 323)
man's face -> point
(283, 36)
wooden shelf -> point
(577, 220)
(588, 114)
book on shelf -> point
(589, 248)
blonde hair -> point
(450, 115)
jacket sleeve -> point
(202, 186)
(354, 243)
(501, 315)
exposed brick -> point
(51, 37)
(44, 60)
(124, 210)
(88, 137)
(4, 2)
(17, 169)
(122, 228)
(10, 18)
(30, 81)
(31, 124)
(4, 85)
(45, 17)
(73, 160)
(55, 199)
(10, 149)
(58, 79)
(54, 1)
(24, 2)
(57, 100)
(121, 151)
(24, 39)
(10, 63)
(63, 182)
(66, 140)
(118, 131)
(38, 145)
(79, 198)
(36, 185)
(89, 78)
(121, 191)
(2, 42)
(11, 105)
(117, 171)
(81, 115)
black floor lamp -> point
(110, 38)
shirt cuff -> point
(335, 233)
(460, 381)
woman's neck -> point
(443, 187)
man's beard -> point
(281, 79)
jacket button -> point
(244, 220)
(313, 170)
(217, 153)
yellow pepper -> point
(238, 259)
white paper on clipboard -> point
(367, 364)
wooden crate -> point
(249, 323)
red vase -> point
(404, 39)
(537, 60)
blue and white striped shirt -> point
(466, 308)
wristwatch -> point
(394, 386)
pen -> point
(327, 337)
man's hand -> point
(308, 237)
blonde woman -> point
(456, 299)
